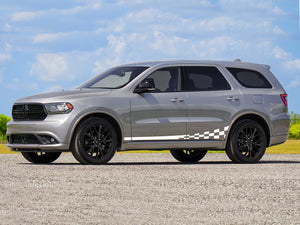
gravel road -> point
(150, 188)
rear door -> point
(211, 102)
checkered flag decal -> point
(207, 135)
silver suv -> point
(187, 107)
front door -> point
(160, 115)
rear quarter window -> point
(249, 78)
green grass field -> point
(289, 147)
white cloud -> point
(5, 52)
(242, 6)
(278, 11)
(159, 46)
(54, 88)
(51, 67)
(293, 64)
(89, 5)
(48, 37)
(18, 84)
(5, 27)
(169, 45)
(279, 31)
(31, 15)
(1, 75)
(169, 3)
(293, 84)
(26, 16)
(196, 24)
(4, 58)
(64, 36)
(65, 66)
(279, 53)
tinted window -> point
(205, 78)
(250, 78)
(166, 79)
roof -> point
(235, 63)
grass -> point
(5, 150)
(289, 147)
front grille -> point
(28, 112)
(23, 139)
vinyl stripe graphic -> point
(207, 135)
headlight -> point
(59, 107)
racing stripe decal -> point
(207, 135)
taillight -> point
(284, 99)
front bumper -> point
(51, 134)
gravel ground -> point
(150, 189)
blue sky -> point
(54, 45)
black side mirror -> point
(145, 85)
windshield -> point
(114, 78)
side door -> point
(160, 114)
(211, 103)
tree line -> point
(294, 131)
(3, 121)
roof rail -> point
(237, 60)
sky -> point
(55, 45)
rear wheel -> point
(247, 142)
(41, 157)
(188, 155)
(95, 142)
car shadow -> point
(168, 163)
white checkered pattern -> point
(207, 135)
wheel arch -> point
(256, 118)
(105, 116)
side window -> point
(249, 78)
(166, 79)
(205, 78)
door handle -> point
(231, 98)
(176, 100)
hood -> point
(62, 96)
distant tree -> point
(3, 121)
(294, 117)
(294, 131)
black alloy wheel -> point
(95, 141)
(247, 142)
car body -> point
(184, 106)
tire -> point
(247, 142)
(95, 141)
(189, 155)
(41, 157)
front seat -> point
(172, 84)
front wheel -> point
(41, 157)
(247, 142)
(188, 155)
(95, 141)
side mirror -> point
(145, 85)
